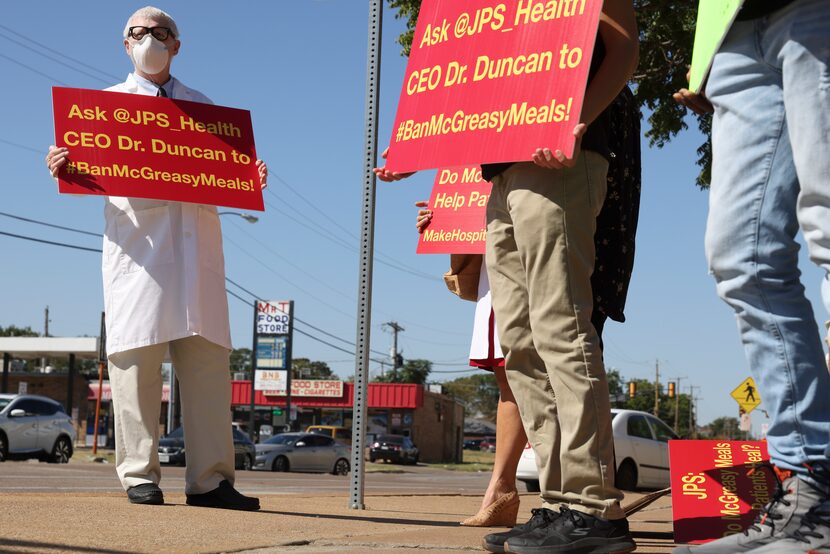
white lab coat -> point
(163, 267)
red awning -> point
(92, 393)
(381, 395)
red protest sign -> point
(458, 203)
(492, 81)
(717, 487)
(148, 147)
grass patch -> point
(473, 460)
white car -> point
(34, 426)
(641, 445)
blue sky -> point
(299, 67)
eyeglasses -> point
(138, 32)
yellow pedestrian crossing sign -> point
(746, 395)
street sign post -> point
(746, 395)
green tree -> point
(724, 428)
(303, 368)
(666, 38)
(413, 371)
(644, 402)
(479, 393)
(14, 331)
(240, 360)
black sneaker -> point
(494, 542)
(145, 493)
(575, 532)
(224, 497)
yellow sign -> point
(746, 395)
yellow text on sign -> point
(746, 395)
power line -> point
(29, 148)
(36, 222)
(48, 57)
(47, 48)
(63, 244)
(33, 70)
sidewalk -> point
(106, 522)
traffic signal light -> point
(671, 389)
(632, 389)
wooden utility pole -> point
(657, 388)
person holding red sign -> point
(769, 89)
(615, 245)
(164, 291)
(541, 219)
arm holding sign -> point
(56, 159)
(618, 30)
(695, 101)
(424, 216)
(388, 176)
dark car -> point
(394, 448)
(172, 449)
(473, 444)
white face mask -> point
(149, 55)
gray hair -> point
(151, 12)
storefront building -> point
(434, 422)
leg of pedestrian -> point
(135, 378)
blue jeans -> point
(770, 85)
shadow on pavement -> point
(391, 521)
(46, 547)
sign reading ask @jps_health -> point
(159, 148)
(492, 81)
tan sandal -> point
(501, 513)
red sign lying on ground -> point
(458, 202)
(490, 81)
(148, 147)
(717, 487)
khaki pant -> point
(540, 256)
(204, 379)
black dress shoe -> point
(226, 497)
(145, 493)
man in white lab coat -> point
(164, 291)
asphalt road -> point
(79, 477)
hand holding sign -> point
(389, 176)
(56, 159)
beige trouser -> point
(540, 256)
(204, 381)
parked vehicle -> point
(473, 444)
(172, 449)
(33, 426)
(342, 434)
(487, 444)
(394, 448)
(641, 445)
(303, 452)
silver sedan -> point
(303, 452)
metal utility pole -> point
(252, 403)
(367, 243)
(677, 404)
(394, 352)
(692, 427)
(657, 388)
(43, 360)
